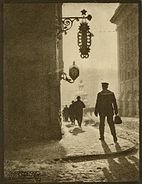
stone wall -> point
(31, 85)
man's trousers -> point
(110, 123)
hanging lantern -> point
(74, 71)
(84, 39)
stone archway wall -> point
(136, 103)
(32, 90)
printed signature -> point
(25, 175)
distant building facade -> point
(32, 67)
(126, 19)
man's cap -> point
(105, 83)
(78, 97)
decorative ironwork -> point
(73, 73)
(84, 39)
(67, 22)
(66, 78)
(84, 35)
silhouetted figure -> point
(106, 106)
(72, 112)
(66, 113)
(79, 105)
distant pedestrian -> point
(106, 106)
(65, 113)
(72, 112)
(79, 105)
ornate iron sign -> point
(67, 22)
(84, 42)
(84, 39)
(84, 35)
(74, 71)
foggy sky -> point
(103, 53)
(104, 47)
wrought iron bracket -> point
(66, 78)
(67, 22)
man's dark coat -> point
(79, 105)
(106, 103)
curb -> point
(80, 158)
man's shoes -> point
(115, 139)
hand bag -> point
(117, 120)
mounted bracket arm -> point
(66, 78)
(67, 22)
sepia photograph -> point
(71, 92)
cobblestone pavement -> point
(128, 130)
(123, 168)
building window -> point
(125, 76)
(135, 72)
(132, 74)
(122, 76)
(128, 75)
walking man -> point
(66, 113)
(72, 113)
(79, 105)
(106, 106)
